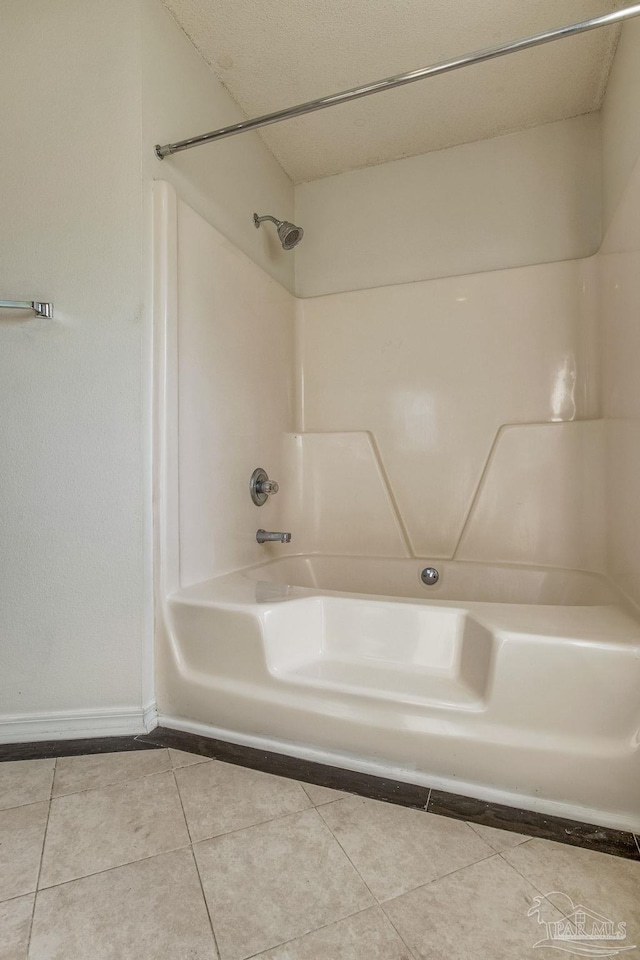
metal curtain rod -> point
(445, 66)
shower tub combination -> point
(507, 683)
(510, 684)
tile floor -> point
(163, 855)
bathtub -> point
(512, 684)
(460, 581)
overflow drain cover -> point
(429, 576)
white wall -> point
(526, 198)
(71, 479)
(88, 88)
(224, 182)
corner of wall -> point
(621, 120)
(182, 97)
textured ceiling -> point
(272, 54)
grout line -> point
(323, 803)
(450, 873)
(637, 840)
(325, 926)
(117, 866)
(186, 822)
(473, 825)
(333, 837)
(523, 875)
(326, 803)
(530, 881)
(102, 786)
(426, 806)
(393, 927)
(260, 823)
(195, 863)
(338, 841)
(377, 903)
(206, 903)
(441, 876)
(112, 783)
(44, 841)
(381, 903)
(21, 806)
(17, 896)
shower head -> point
(290, 235)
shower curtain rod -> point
(444, 66)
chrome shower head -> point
(290, 235)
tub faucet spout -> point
(269, 536)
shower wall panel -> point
(620, 306)
(620, 310)
(525, 198)
(433, 370)
(235, 394)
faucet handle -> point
(261, 487)
(267, 486)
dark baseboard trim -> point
(618, 843)
(46, 749)
(363, 784)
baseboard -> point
(482, 793)
(150, 716)
(77, 724)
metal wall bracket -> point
(39, 308)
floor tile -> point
(25, 781)
(105, 828)
(276, 881)
(608, 885)
(15, 924)
(499, 840)
(478, 912)
(21, 839)
(365, 936)
(396, 849)
(318, 794)
(220, 797)
(99, 770)
(181, 759)
(150, 910)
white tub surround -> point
(514, 678)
